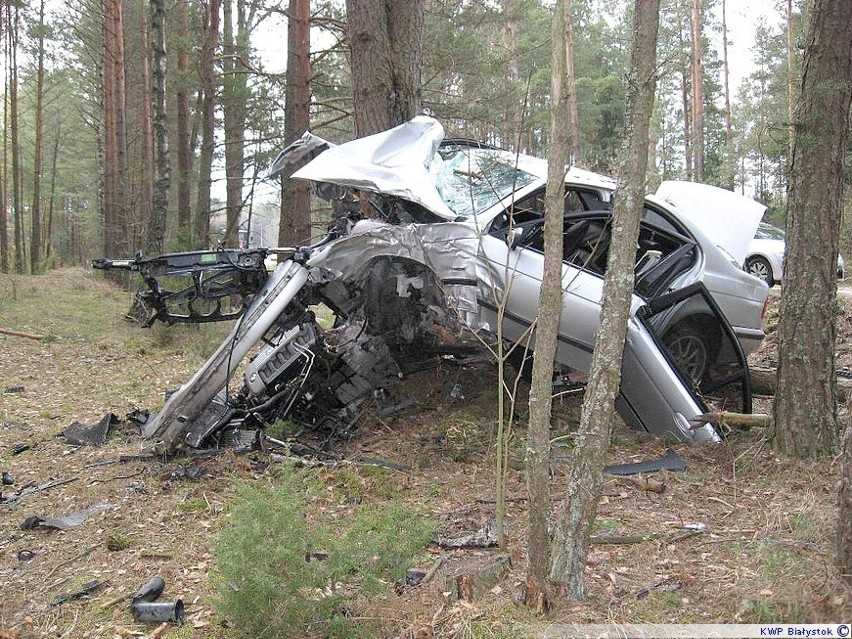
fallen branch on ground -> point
(722, 419)
(9, 331)
(640, 539)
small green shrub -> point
(269, 583)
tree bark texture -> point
(516, 108)
(385, 40)
(578, 509)
(697, 92)
(547, 326)
(201, 233)
(295, 223)
(146, 179)
(571, 87)
(184, 149)
(805, 405)
(844, 520)
(160, 202)
(38, 159)
(234, 96)
(17, 172)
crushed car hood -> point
(401, 161)
(727, 218)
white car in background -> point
(766, 255)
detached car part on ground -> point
(425, 278)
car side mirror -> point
(515, 237)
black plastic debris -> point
(13, 389)
(152, 589)
(85, 590)
(158, 611)
(25, 554)
(17, 449)
(66, 522)
(670, 461)
(8, 479)
(139, 416)
(145, 607)
(80, 434)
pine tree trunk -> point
(17, 170)
(577, 512)
(515, 121)
(571, 85)
(547, 325)
(233, 107)
(48, 246)
(124, 231)
(791, 77)
(385, 38)
(146, 179)
(295, 220)
(38, 159)
(805, 403)
(160, 201)
(697, 93)
(4, 194)
(201, 234)
(184, 152)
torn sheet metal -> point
(400, 162)
(79, 434)
(65, 522)
(308, 146)
(670, 461)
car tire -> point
(761, 269)
(691, 348)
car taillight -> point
(763, 310)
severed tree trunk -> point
(547, 325)
(805, 404)
(184, 152)
(295, 220)
(571, 86)
(201, 232)
(577, 512)
(385, 40)
(697, 93)
(38, 159)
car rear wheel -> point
(760, 268)
(690, 348)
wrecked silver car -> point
(414, 273)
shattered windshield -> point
(471, 180)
